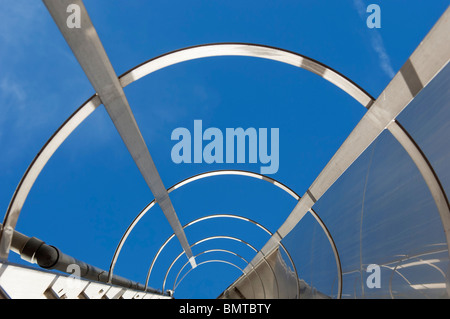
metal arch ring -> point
(199, 254)
(238, 240)
(295, 59)
(183, 183)
(206, 252)
(227, 237)
(248, 50)
(209, 261)
(152, 65)
(219, 173)
(222, 216)
(394, 270)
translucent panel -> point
(427, 120)
(380, 214)
(420, 277)
(313, 257)
(399, 216)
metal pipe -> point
(46, 256)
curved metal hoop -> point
(249, 246)
(235, 239)
(206, 262)
(199, 254)
(207, 252)
(190, 180)
(215, 237)
(223, 216)
(248, 50)
(218, 173)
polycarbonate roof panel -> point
(381, 212)
(427, 121)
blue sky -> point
(91, 189)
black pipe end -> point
(47, 256)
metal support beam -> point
(89, 51)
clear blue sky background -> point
(91, 190)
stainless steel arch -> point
(249, 50)
(206, 252)
(234, 217)
(249, 245)
(201, 253)
(229, 216)
(228, 238)
(192, 179)
(206, 262)
(228, 172)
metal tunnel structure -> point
(379, 204)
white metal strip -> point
(89, 51)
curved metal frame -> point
(249, 50)
(181, 254)
(246, 244)
(206, 252)
(252, 50)
(206, 262)
(235, 239)
(200, 219)
(199, 254)
(219, 173)
(249, 245)
(185, 182)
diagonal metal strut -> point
(89, 51)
